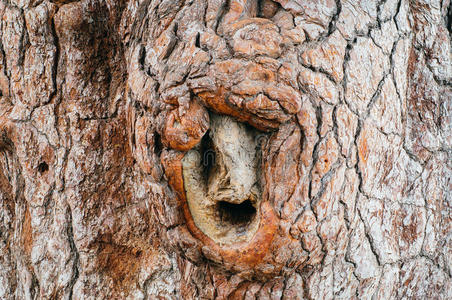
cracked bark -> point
(335, 184)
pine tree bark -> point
(240, 149)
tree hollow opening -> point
(236, 214)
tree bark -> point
(234, 149)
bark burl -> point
(240, 149)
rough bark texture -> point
(349, 104)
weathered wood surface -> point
(350, 105)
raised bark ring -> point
(250, 252)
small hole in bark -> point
(197, 41)
(43, 167)
(236, 214)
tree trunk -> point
(234, 149)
